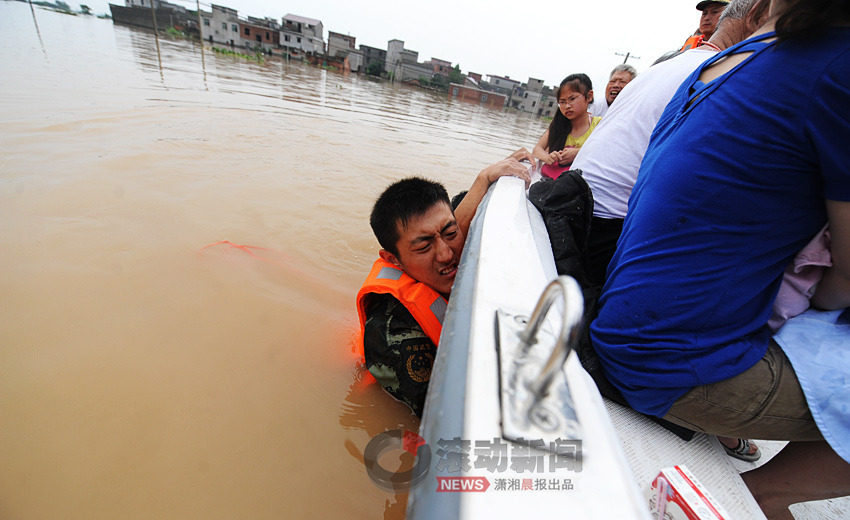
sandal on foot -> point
(742, 451)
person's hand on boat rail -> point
(522, 155)
(505, 167)
(509, 166)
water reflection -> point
(368, 408)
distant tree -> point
(441, 82)
(375, 68)
(455, 75)
(85, 9)
(63, 6)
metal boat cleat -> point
(536, 401)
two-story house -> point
(534, 98)
(441, 67)
(340, 45)
(221, 26)
(503, 85)
(302, 33)
(403, 64)
(260, 33)
(372, 55)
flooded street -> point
(149, 368)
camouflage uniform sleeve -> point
(397, 351)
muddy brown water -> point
(148, 368)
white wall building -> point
(534, 98)
(403, 64)
(302, 33)
(221, 26)
(340, 45)
(502, 85)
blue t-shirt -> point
(732, 186)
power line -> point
(627, 55)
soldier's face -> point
(429, 248)
(708, 19)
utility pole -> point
(201, 38)
(200, 25)
(156, 37)
(627, 55)
(153, 16)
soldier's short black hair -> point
(399, 203)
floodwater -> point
(148, 368)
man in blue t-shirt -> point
(747, 163)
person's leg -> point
(734, 443)
(767, 402)
(601, 246)
(801, 472)
(764, 402)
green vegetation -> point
(455, 75)
(175, 33)
(440, 82)
(85, 9)
(59, 6)
(227, 52)
(375, 68)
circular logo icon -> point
(395, 481)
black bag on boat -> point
(566, 205)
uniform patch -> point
(419, 366)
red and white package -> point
(676, 494)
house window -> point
(234, 28)
(454, 91)
(247, 31)
(551, 103)
(298, 39)
(286, 37)
(483, 98)
(533, 103)
(207, 22)
(267, 36)
(224, 25)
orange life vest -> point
(427, 306)
(692, 43)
